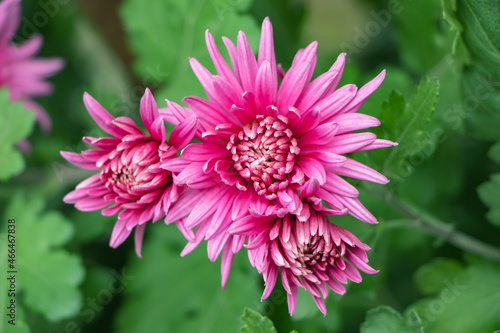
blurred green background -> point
(439, 217)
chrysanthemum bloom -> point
(313, 254)
(130, 181)
(264, 140)
(20, 72)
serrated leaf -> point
(256, 323)
(470, 303)
(432, 277)
(164, 34)
(405, 124)
(489, 192)
(15, 124)
(385, 319)
(183, 294)
(48, 275)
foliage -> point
(405, 124)
(188, 303)
(48, 275)
(15, 124)
(386, 319)
(256, 323)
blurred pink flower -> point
(263, 141)
(313, 254)
(130, 181)
(20, 72)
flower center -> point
(316, 254)
(264, 153)
(125, 176)
(132, 173)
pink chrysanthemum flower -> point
(313, 254)
(262, 141)
(20, 72)
(130, 181)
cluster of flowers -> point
(20, 72)
(264, 174)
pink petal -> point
(338, 67)
(183, 133)
(220, 64)
(349, 122)
(225, 265)
(354, 169)
(351, 142)
(335, 102)
(149, 111)
(316, 90)
(204, 151)
(79, 160)
(339, 186)
(292, 85)
(247, 64)
(265, 86)
(321, 135)
(215, 245)
(378, 143)
(102, 117)
(364, 93)
(10, 16)
(119, 234)
(270, 281)
(250, 225)
(138, 237)
(357, 209)
(233, 55)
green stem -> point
(434, 226)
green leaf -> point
(385, 319)
(5, 299)
(449, 8)
(431, 278)
(15, 124)
(477, 22)
(256, 323)
(183, 294)
(481, 104)
(460, 51)
(470, 302)
(164, 34)
(48, 275)
(405, 124)
(479, 19)
(489, 192)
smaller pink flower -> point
(23, 74)
(130, 181)
(313, 254)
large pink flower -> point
(20, 72)
(264, 140)
(313, 254)
(130, 181)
